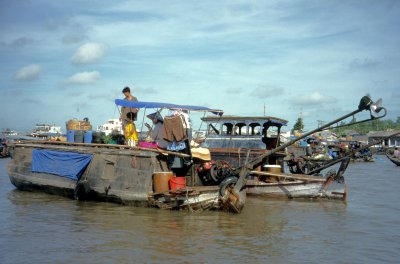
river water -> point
(41, 228)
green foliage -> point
(299, 126)
(374, 125)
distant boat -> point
(9, 132)
(393, 159)
(112, 125)
(45, 131)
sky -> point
(71, 59)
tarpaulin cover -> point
(65, 164)
(134, 104)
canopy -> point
(133, 104)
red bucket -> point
(177, 183)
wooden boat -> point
(278, 183)
(118, 173)
(297, 186)
(393, 159)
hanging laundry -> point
(174, 129)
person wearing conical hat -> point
(156, 132)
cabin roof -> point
(253, 119)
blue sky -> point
(317, 57)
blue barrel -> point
(88, 136)
(78, 137)
(71, 136)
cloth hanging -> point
(174, 129)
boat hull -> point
(394, 160)
(298, 189)
(113, 175)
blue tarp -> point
(133, 104)
(64, 164)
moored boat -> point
(273, 181)
(119, 173)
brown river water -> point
(41, 228)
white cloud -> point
(84, 78)
(28, 73)
(89, 53)
(313, 99)
(267, 91)
(234, 90)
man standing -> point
(125, 110)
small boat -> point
(393, 159)
(4, 152)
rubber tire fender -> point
(228, 181)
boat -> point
(234, 139)
(112, 126)
(4, 151)
(267, 176)
(393, 159)
(117, 173)
(8, 132)
(45, 131)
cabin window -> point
(240, 129)
(270, 131)
(212, 130)
(227, 129)
(255, 129)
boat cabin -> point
(243, 132)
(234, 138)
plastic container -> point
(78, 137)
(71, 136)
(177, 183)
(88, 136)
(272, 168)
(98, 137)
(161, 181)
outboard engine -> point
(214, 172)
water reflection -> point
(53, 229)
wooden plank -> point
(60, 145)
(290, 176)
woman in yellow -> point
(130, 133)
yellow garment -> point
(130, 132)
